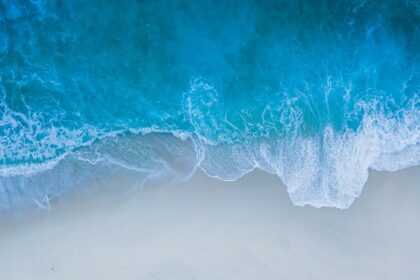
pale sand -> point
(208, 229)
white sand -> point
(208, 229)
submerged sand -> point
(209, 229)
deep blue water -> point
(316, 92)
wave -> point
(325, 171)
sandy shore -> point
(208, 229)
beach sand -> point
(209, 229)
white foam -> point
(329, 170)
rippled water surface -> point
(316, 92)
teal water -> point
(316, 92)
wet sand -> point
(209, 229)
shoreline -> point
(210, 229)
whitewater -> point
(315, 92)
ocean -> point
(315, 92)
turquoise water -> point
(316, 92)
